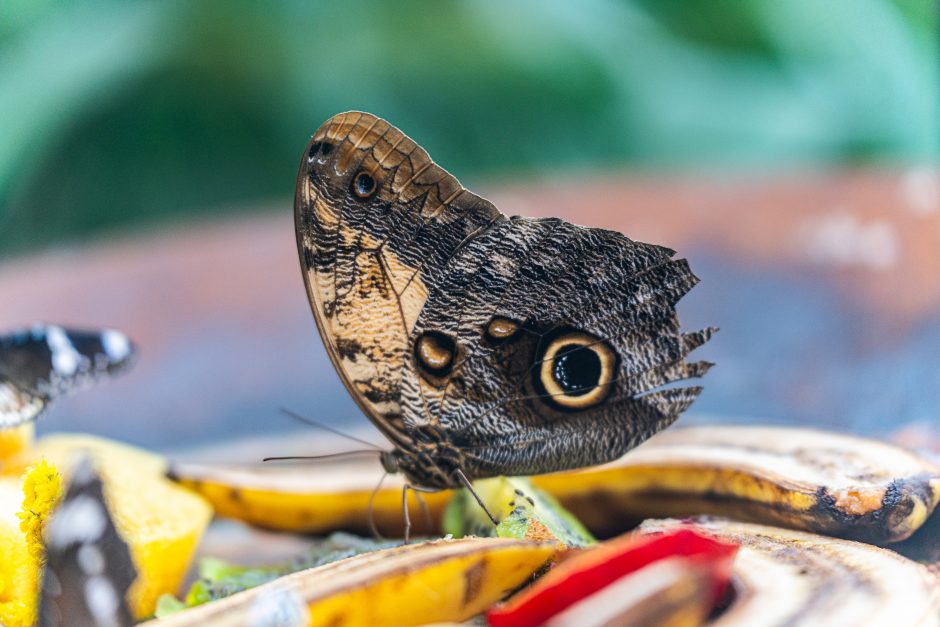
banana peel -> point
(219, 579)
(923, 546)
(161, 522)
(414, 584)
(818, 481)
(328, 497)
(787, 577)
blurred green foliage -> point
(117, 114)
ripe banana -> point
(415, 584)
(798, 478)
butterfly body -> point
(45, 361)
(480, 344)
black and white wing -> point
(88, 566)
(46, 361)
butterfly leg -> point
(425, 511)
(466, 483)
(372, 526)
(404, 504)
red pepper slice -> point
(592, 570)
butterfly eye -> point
(501, 329)
(363, 185)
(576, 370)
(435, 352)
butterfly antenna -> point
(325, 427)
(327, 456)
(372, 526)
(466, 483)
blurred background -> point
(788, 148)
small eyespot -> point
(576, 370)
(435, 352)
(320, 149)
(501, 329)
(363, 185)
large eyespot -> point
(501, 329)
(363, 185)
(435, 352)
(576, 370)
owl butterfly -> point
(46, 361)
(479, 344)
(88, 568)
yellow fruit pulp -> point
(17, 581)
(415, 584)
(14, 441)
(160, 521)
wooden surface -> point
(826, 287)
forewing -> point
(376, 222)
(552, 281)
(46, 361)
(88, 567)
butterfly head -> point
(389, 462)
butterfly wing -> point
(88, 567)
(376, 222)
(47, 361)
(451, 324)
(562, 337)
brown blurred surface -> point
(826, 286)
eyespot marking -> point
(501, 329)
(435, 352)
(576, 370)
(364, 185)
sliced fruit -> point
(786, 577)
(415, 584)
(14, 441)
(622, 563)
(161, 522)
(799, 478)
(219, 579)
(17, 574)
(521, 510)
(823, 482)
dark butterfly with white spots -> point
(482, 344)
(44, 362)
(88, 568)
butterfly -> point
(44, 362)
(88, 568)
(481, 344)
